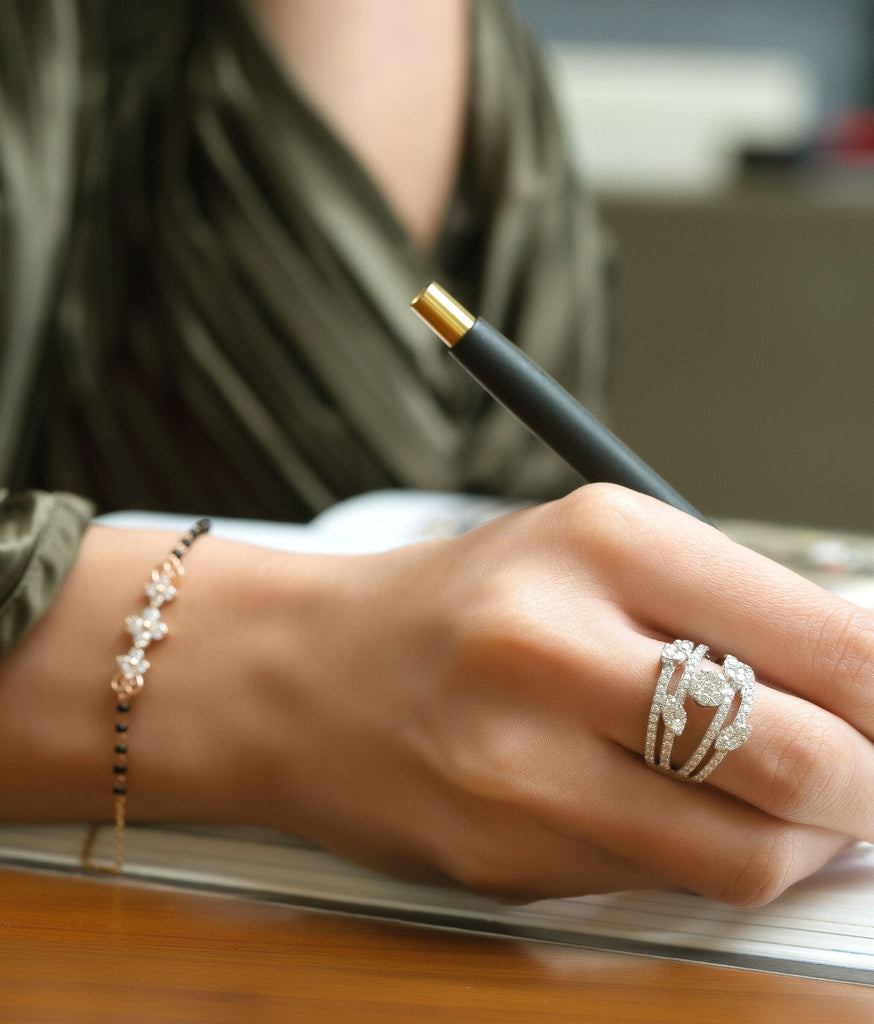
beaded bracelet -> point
(145, 628)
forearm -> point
(196, 745)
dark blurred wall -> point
(744, 365)
(744, 361)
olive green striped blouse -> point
(204, 299)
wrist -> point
(208, 729)
(199, 731)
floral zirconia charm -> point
(146, 627)
(160, 590)
(133, 663)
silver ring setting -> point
(708, 688)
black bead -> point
(121, 748)
(121, 727)
(122, 709)
(186, 541)
(119, 769)
(178, 553)
(120, 790)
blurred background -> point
(730, 144)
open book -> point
(823, 927)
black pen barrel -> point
(554, 416)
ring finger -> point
(800, 762)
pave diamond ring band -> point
(725, 690)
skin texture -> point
(471, 709)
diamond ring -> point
(730, 688)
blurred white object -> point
(649, 119)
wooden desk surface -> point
(74, 950)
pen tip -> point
(446, 317)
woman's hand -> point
(472, 710)
(477, 708)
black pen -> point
(542, 404)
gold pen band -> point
(446, 317)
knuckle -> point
(491, 728)
(513, 642)
(769, 869)
(484, 865)
(843, 652)
(500, 764)
(605, 516)
(804, 767)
